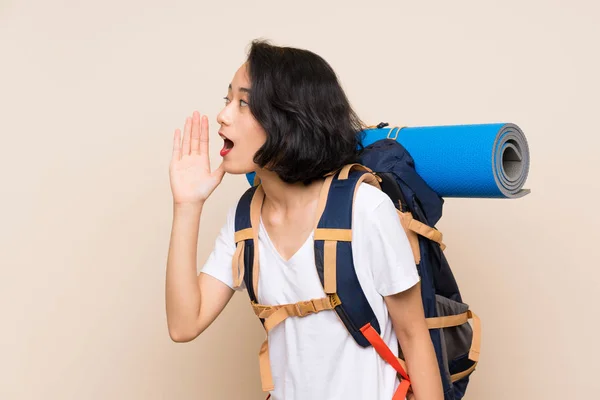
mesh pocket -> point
(456, 340)
(455, 343)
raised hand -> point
(192, 181)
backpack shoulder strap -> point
(245, 234)
(333, 253)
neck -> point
(282, 196)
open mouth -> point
(227, 145)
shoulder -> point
(368, 199)
(227, 231)
(231, 211)
(373, 211)
(379, 242)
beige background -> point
(90, 93)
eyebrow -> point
(242, 89)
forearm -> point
(422, 366)
(182, 289)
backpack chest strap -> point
(274, 315)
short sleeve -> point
(386, 246)
(218, 263)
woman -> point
(287, 118)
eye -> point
(243, 103)
(227, 101)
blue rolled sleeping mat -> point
(471, 161)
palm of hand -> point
(189, 171)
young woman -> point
(287, 118)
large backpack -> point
(387, 165)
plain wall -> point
(91, 92)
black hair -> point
(297, 99)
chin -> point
(234, 169)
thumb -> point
(219, 173)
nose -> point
(223, 118)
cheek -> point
(255, 136)
(252, 138)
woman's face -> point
(242, 134)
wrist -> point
(188, 206)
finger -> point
(187, 132)
(176, 146)
(195, 133)
(204, 136)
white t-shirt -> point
(314, 357)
